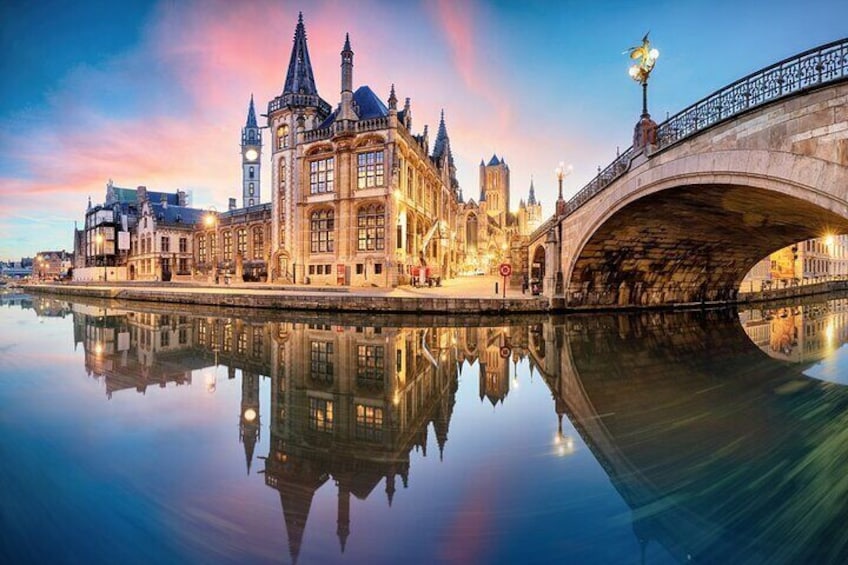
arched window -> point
(258, 243)
(228, 246)
(201, 248)
(471, 233)
(282, 137)
(241, 242)
(321, 227)
(371, 228)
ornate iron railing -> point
(819, 66)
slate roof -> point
(367, 105)
(494, 160)
(251, 115)
(176, 215)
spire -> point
(299, 78)
(347, 42)
(531, 199)
(442, 144)
(251, 115)
(392, 98)
(494, 160)
(346, 111)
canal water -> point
(144, 433)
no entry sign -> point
(505, 269)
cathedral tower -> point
(251, 153)
(494, 189)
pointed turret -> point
(299, 78)
(392, 99)
(494, 160)
(346, 111)
(531, 199)
(251, 115)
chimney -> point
(141, 193)
(181, 198)
(164, 201)
(232, 203)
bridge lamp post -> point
(646, 57)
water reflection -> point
(709, 430)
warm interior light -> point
(249, 415)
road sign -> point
(505, 352)
(505, 269)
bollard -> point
(496, 288)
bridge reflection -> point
(709, 429)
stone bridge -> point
(752, 168)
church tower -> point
(297, 110)
(494, 189)
(251, 153)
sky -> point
(155, 93)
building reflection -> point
(719, 446)
(803, 333)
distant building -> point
(813, 260)
(161, 245)
(51, 264)
(102, 246)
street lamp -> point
(645, 58)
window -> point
(258, 243)
(166, 244)
(241, 343)
(369, 423)
(369, 366)
(321, 355)
(370, 169)
(282, 137)
(183, 266)
(321, 414)
(183, 245)
(311, 269)
(359, 268)
(183, 336)
(241, 242)
(371, 221)
(164, 339)
(250, 202)
(257, 342)
(321, 227)
(378, 268)
(250, 189)
(213, 247)
(251, 174)
(321, 178)
(228, 245)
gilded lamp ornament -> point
(645, 57)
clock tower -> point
(251, 152)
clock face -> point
(251, 154)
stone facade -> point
(358, 199)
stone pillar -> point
(552, 264)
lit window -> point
(321, 414)
(321, 356)
(369, 423)
(370, 169)
(371, 222)
(322, 231)
(321, 176)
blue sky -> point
(155, 93)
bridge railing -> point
(816, 67)
(810, 69)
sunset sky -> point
(156, 93)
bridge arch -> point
(690, 228)
(752, 168)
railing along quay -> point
(826, 64)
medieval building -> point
(358, 199)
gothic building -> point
(358, 199)
(491, 233)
